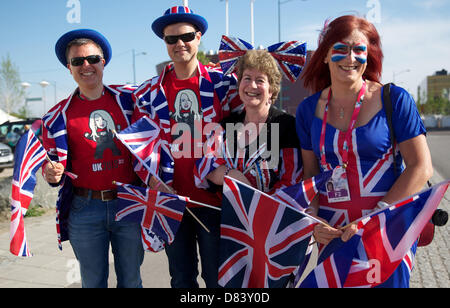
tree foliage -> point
(12, 95)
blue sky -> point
(415, 34)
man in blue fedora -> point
(185, 98)
(78, 136)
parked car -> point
(6, 157)
(11, 131)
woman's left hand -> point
(349, 232)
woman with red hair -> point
(344, 127)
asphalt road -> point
(439, 144)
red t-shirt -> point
(183, 98)
(97, 157)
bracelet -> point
(227, 171)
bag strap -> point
(387, 104)
(388, 109)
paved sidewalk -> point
(51, 268)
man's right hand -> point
(53, 172)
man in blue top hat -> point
(185, 98)
(78, 136)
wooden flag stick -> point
(205, 205)
(198, 220)
(49, 160)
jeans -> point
(182, 253)
(91, 229)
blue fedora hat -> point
(61, 44)
(178, 14)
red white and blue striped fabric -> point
(28, 159)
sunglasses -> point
(173, 39)
(78, 61)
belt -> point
(104, 195)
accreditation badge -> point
(337, 186)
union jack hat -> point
(61, 44)
(178, 14)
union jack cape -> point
(262, 240)
(382, 243)
(159, 213)
(28, 158)
(55, 142)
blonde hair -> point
(263, 61)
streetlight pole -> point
(279, 40)
(252, 22)
(25, 86)
(44, 84)
(226, 17)
(398, 73)
(134, 55)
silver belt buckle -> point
(101, 194)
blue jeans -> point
(91, 229)
(182, 253)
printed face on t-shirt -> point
(186, 111)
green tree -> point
(12, 95)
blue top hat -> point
(178, 14)
(61, 44)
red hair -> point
(317, 74)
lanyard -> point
(348, 133)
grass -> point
(35, 211)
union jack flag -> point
(144, 139)
(262, 239)
(28, 159)
(383, 242)
(301, 194)
(159, 213)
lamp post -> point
(280, 2)
(394, 74)
(252, 30)
(226, 17)
(25, 86)
(134, 54)
(44, 84)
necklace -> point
(341, 113)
